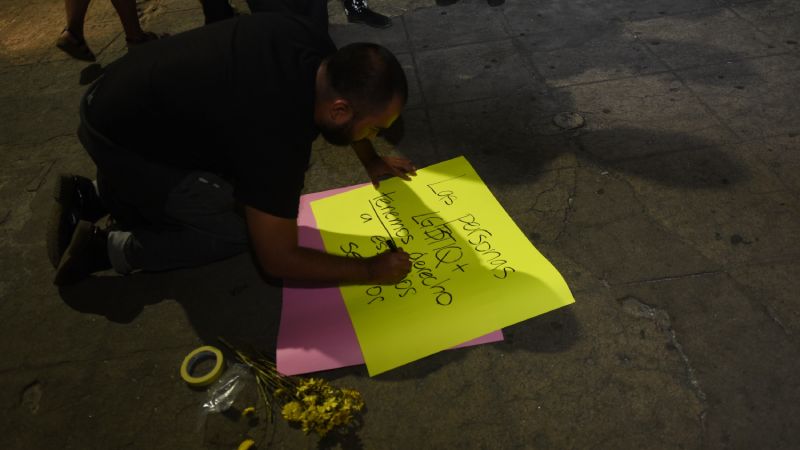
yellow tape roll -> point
(247, 444)
(196, 356)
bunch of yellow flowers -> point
(318, 406)
(312, 402)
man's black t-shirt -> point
(235, 98)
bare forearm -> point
(379, 167)
(304, 264)
(274, 240)
(365, 151)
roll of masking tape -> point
(196, 356)
(247, 444)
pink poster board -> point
(315, 332)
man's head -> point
(361, 89)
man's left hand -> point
(383, 166)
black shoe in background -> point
(495, 2)
(357, 11)
(76, 200)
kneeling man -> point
(201, 143)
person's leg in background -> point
(316, 10)
(71, 39)
(357, 11)
(216, 10)
(129, 17)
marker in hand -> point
(392, 245)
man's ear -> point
(340, 111)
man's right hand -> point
(389, 267)
(274, 240)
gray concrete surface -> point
(673, 214)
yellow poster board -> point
(473, 270)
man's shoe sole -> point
(74, 264)
(76, 199)
(56, 236)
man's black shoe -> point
(446, 2)
(495, 2)
(357, 11)
(86, 254)
(76, 200)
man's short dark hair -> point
(368, 75)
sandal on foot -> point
(74, 46)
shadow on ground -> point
(509, 139)
(225, 299)
(507, 133)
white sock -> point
(116, 251)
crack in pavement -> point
(774, 316)
(5, 216)
(571, 192)
(38, 181)
(672, 278)
(634, 307)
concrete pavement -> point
(672, 213)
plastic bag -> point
(223, 392)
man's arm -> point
(275, 243)
(377, 166)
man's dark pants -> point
(165, 217)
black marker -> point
(390, 242)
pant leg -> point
(132, 189)
(216, 10)
(204, 227)
(167, 217)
